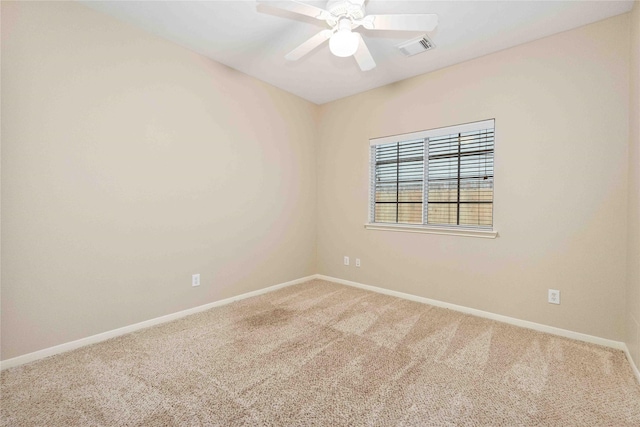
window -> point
(440, 178)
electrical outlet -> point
(357, 262)
(554, 296)
(346, 260)
(195, 280)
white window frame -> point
(491, 233)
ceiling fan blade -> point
(417, 22)
(363, 56)
(309, 45)
(296, 6)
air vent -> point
(417, 45)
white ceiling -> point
(254, 38)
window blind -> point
(460, 179)
(399, 179)
(440, 177)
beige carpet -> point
(322, 354)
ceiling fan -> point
(344, 16)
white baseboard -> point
(487, 315)
(497, 317)
(634, 367)
(41, 354)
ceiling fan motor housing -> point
(344, 9)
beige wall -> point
(561, 111)
(129, 163)
(633, 285)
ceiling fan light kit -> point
(344, 16)
(344, 42)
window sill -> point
(486, 234)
